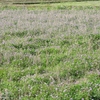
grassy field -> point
(54, 6)
(50, 54)
(39, 1)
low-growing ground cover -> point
(53, 6)
(39, 1)
(50, 55)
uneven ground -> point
(50, 55)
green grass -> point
(59, 67)
(83, 3)
(50, 6)
(70, 70)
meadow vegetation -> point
(53, 6)
(50, 54)
(39, 1)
